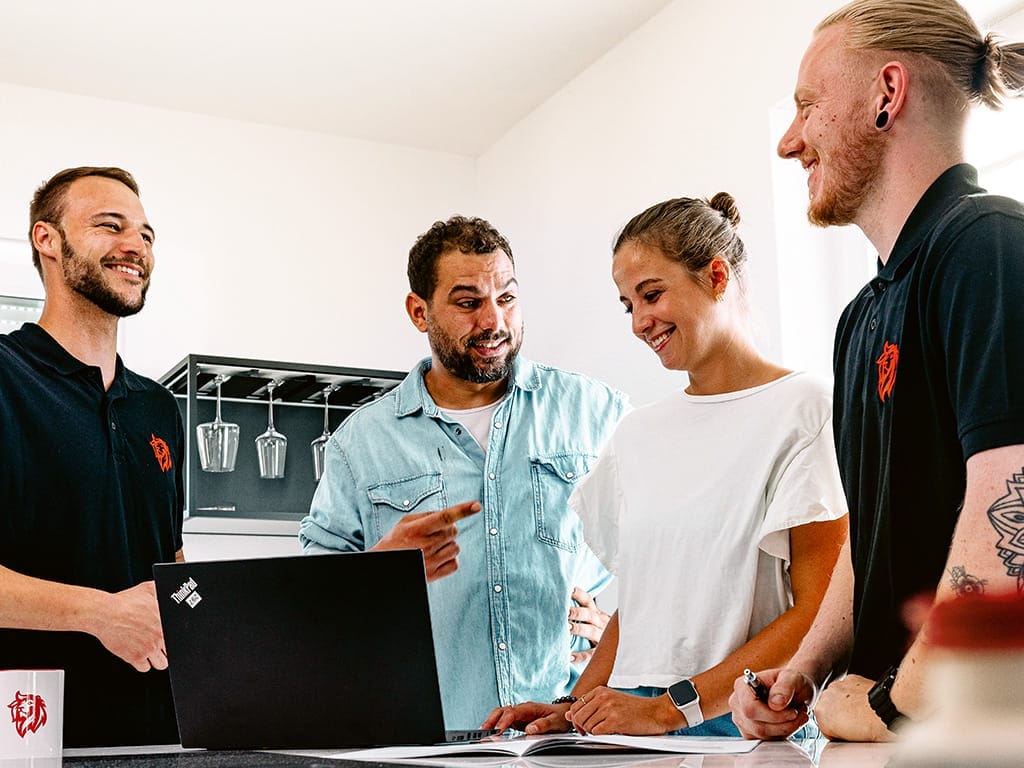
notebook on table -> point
(302, 652)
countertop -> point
(787, 754)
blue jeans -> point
(721, 726)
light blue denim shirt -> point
(500, 622)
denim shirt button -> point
(497, 587)
(493, 531)
(501, 646)
(570, 474)
(491, 475)
(497, 425)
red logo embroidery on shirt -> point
(28, 712)
(887, 363)
(162, 452)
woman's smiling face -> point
(672, 311)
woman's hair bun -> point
(724, 203)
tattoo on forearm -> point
(1007, 517)
(964, 584)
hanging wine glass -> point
(271, 445)
(217, 440)
(319, 445)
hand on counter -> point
(606, 710)
(434, 534)
(532, 717)
(843, 712)
(790, 692)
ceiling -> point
(447, 75)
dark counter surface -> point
(211, 759)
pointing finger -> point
(459, 511)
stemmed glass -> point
(217, 440)
(319, 445)
(271, 445)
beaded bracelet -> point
(564, 700)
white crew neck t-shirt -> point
(690, 506)
(476, 420)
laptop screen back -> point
(301, 652)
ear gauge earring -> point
(882, 120)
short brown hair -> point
(468, 235)
(49, 201)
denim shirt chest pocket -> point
(554, 476)
(392, 500)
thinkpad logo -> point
(187, 594)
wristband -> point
(878, 698)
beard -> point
(87, 280)
(458, 359)
(853, 173)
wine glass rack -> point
(298, 413)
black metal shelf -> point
(298, 413)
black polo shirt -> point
(929, 367)
(90, 494)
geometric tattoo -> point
(1007, 517)
(964, 584)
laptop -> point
(302, 652)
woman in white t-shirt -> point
(719, 508)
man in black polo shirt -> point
(90, 470)
(929, 357)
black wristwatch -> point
(878, 698)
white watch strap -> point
(693, 714)
(692, 711)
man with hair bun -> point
(929, 356)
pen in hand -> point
(760, 689)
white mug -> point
(31, 713)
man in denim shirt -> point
(477, 436)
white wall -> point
(287, 245)
(681, 108)
(271, 243)
(291, 245)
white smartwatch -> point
(684, 695)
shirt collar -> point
(47, 350)
(951, 186)
(411, 395)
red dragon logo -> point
(162, 452)
(28, 712)
(887, 363)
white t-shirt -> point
(690, 505)
(476, 420)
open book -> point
(522, 746)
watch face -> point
(682, 693)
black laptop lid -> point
(301, 652)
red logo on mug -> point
(28, 712)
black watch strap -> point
(878, 698)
